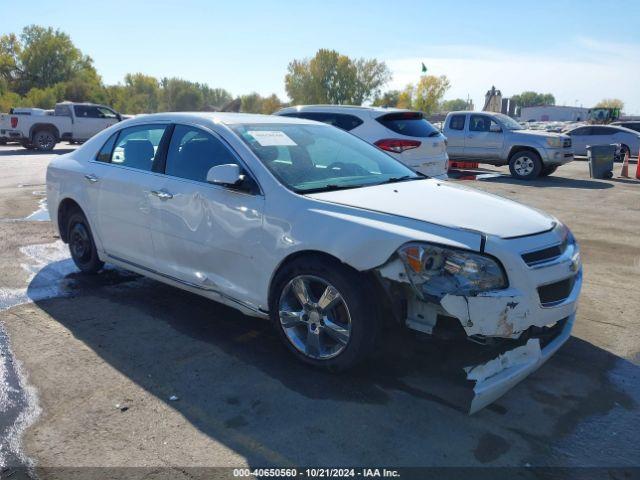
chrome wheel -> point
(314, 317)
(523, 166)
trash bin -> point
(601, 160)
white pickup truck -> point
(75, 122)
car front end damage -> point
(517, 297)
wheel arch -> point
(368, 276)
(65, 207)
(36, 127)
(523, 148)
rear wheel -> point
(322, 313)
(44, 140)
(81, 245)
(548, 170)
(525, 165)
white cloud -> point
(584, 70)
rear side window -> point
(62, 111)
(457, 122)
(581, 131)
(411, 124)
(603, 131)
(136, 147)
(340, 120)
(192, 152)
(104, 155)
(86, 111)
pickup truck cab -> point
(497, 139)
(74, 122)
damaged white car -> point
(324, 234)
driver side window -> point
(192, 152)
(482, 123)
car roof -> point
(226, 118)
(340, 108)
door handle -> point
(162, 194)
(469, 136)
(91, 177)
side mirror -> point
(229, 175)
(495, 128)
(119, 117)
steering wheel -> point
(349, 168)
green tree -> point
(181, 95)
(405, 99)
(215, 98)
(271, 104)
(46, 57)
(429, 91)
(332, 78)
(610, 103)
(389, 98)
(454, 105)
(533, 99)
(251, 103)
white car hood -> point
(445, 204)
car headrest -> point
(138, 153)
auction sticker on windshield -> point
(272, 138)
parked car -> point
(630, 124)
(497, 139)
(322, 233)
(628, 139)
(404, 134)
(75, 122)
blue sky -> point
(581, 51)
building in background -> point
(554, 113)
(493, 101)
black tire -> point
(527, 158)
(364, 321)
(81, 245)
(548, 170)
(44, 140)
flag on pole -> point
(424, 68)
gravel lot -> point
(94, 362)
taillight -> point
(396, 145)
(14, 122)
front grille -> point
(555, 293)
(566, 143)
(544, 255)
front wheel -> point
(81, 244)
(525, 165)
(322, 313)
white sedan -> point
(589, 135)
(322, 233)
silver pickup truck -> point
(494, 138)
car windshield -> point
(508, 122)
(313, 158)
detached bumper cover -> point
(496, 377)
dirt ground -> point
(124, 371)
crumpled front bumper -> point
(521, 326)
(496, 377)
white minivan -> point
(323, 234)
(404, 134)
